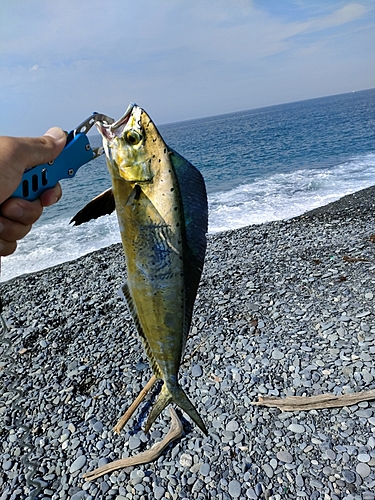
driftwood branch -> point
(145, 457)
(138, 400)
(296, 403)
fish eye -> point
(133, 138)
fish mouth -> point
(108, 130)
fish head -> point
(128, 145)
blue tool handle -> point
(38, 179)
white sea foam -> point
(51, 244)
(282, 196)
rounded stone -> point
(268, 470)
(273, 463)
(98, 427)
(363, 470)
(134, 442)
(234, 488)
(103, 461)
(196, 370)
(296, 428)
(363, 457)
(7, 464)
(158, 492)
(232, 426)
(78, 463)
(136, 476)
(330, 454)
(315, 483)
(78, 495)
(205, 469)
(186, 460)
(104, 487)
(276, 354)
(284, 456)
(348, 476)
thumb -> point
(39, 150)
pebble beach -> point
(284, 308)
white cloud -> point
(184, 58)
(344, 15)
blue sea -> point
(259, 165)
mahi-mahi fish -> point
(161, 205)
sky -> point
(178, 59)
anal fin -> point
(125, 294)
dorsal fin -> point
(194, 205)
(103, 204)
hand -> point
(16, 155)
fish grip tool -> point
(77, 152)
(14, 387)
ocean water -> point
(259, 165)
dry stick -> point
(145, 457)
(195, 350)
(295, 403)
(138, 400)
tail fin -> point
(178, 397)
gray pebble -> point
(186, 460)
(104, 487)
(197, 486)
(330, 454)
(259, 489)
(348, 476)
(232, 426)
(315, 483)
(136, 476)
(98, 427)
(268, 470)
(204, 469)
(363, 457)
(80, 495)
(78, 463)
(276, 354)
(158, 492)
(363, 470)
(273, 463)
(297, 428)
(196, 370)
(250, 493)
(234, 488)
(284, 456)
(134, 442)
(7, 465)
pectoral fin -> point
(104, 204)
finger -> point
(12, 231)
(22, 211)
(51, 196)
(7, 247)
